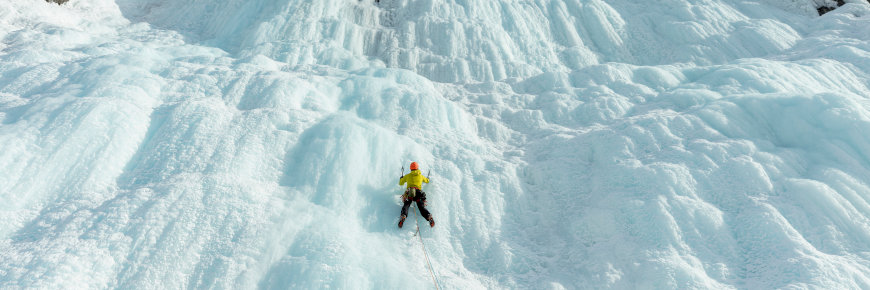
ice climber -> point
(413, 193)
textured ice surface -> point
(156, 144)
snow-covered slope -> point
(572, 144)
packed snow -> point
(572, 144)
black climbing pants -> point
(420, 198)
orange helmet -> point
(414, 166)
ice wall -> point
(472, 41)
(573, 144)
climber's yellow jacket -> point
(414, 179)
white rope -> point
(423, 246)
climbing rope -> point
(431, 271)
